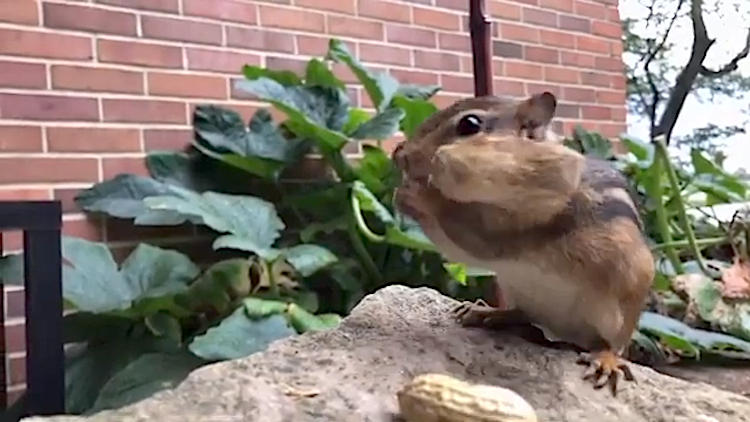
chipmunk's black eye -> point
(469, 125)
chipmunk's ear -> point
(534, 114)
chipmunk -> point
(491, 187)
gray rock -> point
(392, 336)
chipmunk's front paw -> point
(480, 314)
(605, 368)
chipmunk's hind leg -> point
(605, 367)
(480, 314)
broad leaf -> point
(122, 196)
(239, 335)
(418, 92)
(177, 169)
(376, 170)
(308, 259)
(284, 77)
(242, 216)
(380, 86)
(318, 74)
(11, 270)
(382, 126)
(151, 271)
(145, 376)
(416, 111)
(357, 117)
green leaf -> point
(11, 270)
(122, 196)
(318, 74)
(260, 308)
(357, 117)
(316, 113)
(161, 324)
(416, 111)
(643, 151)
(92, 281)
(307, 259)
(260, 148)
(303, 321)
(382, 126)
(702, 164)
(376, 170)
(144, 377)
(239, 336)
(380, 86)
(284, 77)
(242, 243)
(456, 271)
(151, 271)
(418, 92)
(242, 216)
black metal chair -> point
(41, 223)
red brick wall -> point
(86, 86)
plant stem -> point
(361, 224)
(342, 168)
(684, 243)
(662, 222)
(681, 210)
(364, 255)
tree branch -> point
(732, 65)
(684, 83)
(651, 108)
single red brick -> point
(15, 42)
(300, 20)
(283, 63)
(594, 78)
(17, 367)
(504, 10)
(539, 17)
(22, 75)
(222, 10)
(139, 54)
(181, 30)
(96, 79)
(561, 5)
(462, 84)
(340, 6)
(36, 194)
(515, 32)
(436, 61)
(541, 54)
(143, 111)
(188, 86)
(92, 139)
(509, 88)
(457, 42)
(576, 59)
(610, 97)
(15, 304)
(354, 27)
(312, 46)
(219, 60)
(551, 37)
(609, 64)
(15, 336)
(590, 9)
(48, 170)
(568, 111)
(573, 23)
(579, 95)
(606, 29)
(592, 44)
(377, 53)
(166, 139)
(435, 18)
(523, 70)
(172, 6)
(25, 12)
(384, 10)
(87, 18)
(402, 34)
(260, 39)
(48, 107)
(533, 88)
(21, 139)
(561, 75)
(592, 112)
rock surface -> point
(392, 336)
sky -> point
(729, 28)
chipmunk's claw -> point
(480, 314)
(605, 368)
